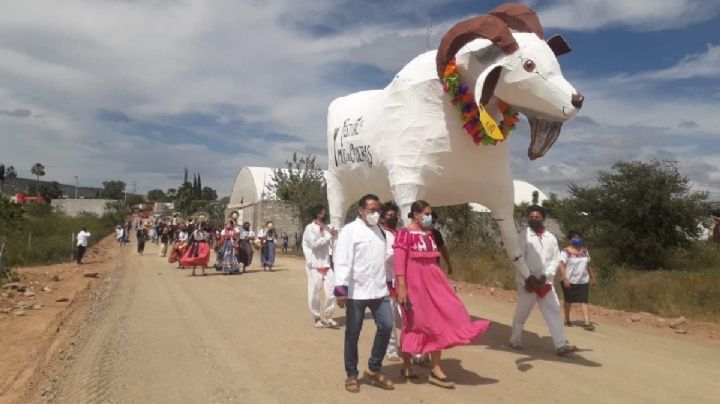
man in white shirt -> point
(316, 248)
(361, 283)
(388, 223)
(540, 250)
(82, 242)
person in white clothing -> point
(577, 272)
(389, 222)
(361, 283)
(316, 241)
(540, 250)
(82, 242)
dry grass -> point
(693, 292)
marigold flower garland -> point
(464, 100)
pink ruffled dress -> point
(438, 319)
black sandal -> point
(407, 374)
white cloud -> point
(700, 65)
(64, 61)
(642, 15)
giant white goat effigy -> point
(438, 131)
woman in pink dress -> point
(434, 318)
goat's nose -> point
(577, 100)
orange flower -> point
(450, 69)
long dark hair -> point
(417, 207)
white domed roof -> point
(523, 194)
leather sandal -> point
(352, 385)
(378, 380)
(566, 349)
(443, 382)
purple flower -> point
(463, 88)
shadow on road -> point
(452, 367)
(536, 347)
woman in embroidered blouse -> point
(576, 276)
(434, 318)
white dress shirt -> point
(541, 254)
(390, 258)
(316, 246)
(359, 256)
(82, 238)
(183, 236)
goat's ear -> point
(489, 85)
(558, 45)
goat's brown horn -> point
(519, 17)
(484, 26)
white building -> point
(523, 194)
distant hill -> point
(18, 185)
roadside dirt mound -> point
(40, 314)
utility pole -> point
(76, 186)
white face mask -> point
(373, 218)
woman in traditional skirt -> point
(434, 318)
(227, 261)
(199, 252)
(245, 250)
(577, 273)
(267, 237)
(180, 245)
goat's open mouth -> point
(543, 134)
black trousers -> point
(80, 253)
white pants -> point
(550, 308)
(394, 345)
(322, 309)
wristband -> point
(340, 291)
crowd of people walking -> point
(374, 264)
(394, 272)
(190, 244)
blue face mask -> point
(426, 221)
(576, 242)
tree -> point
(2, 178)
(49, 191)
(38, 170)
(184, 197)
(11, 215)
(134, 199)
(216, 209)
(113, 190)
(171, 194)
(302, 185)
(208, 194)
(640, 212)
(157, 195)
(10, 173)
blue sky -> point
(136, 90)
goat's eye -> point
(529, 66)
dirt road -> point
(166, 337)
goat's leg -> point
(404, 195)
(503, 214)
(337, 200)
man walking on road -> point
(316, 248)
(82, 242)
(540, 250)
(361, 283)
